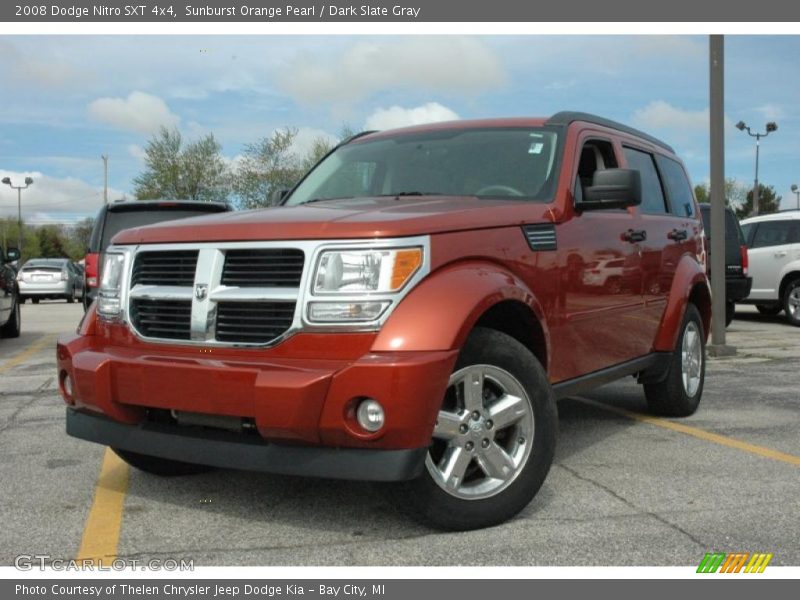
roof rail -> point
(567, 117)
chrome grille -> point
(168, 319)
(164, 268)
(267, 267)
(230, 294)
(253, 322)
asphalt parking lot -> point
(624, 490)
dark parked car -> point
(10, 319)
(115, 217)
(737, 281)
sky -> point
(67, 100)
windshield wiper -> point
(413, 193)
(324, 199)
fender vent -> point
(540, 237)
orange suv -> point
(411, 313)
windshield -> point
(512, 163)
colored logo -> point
(714, 562)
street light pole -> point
(19, 188)
(796, 191)
(771, 126)
(105, 177)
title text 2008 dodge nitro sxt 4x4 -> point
(410, 313)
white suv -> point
(774, 252)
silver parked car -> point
(41, 278)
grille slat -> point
(162, 318)
(253, 322)
(174, 267)
(266, 267)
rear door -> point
(771, 249)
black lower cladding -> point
(253, 322)
(247, 452)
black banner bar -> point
(265, 11)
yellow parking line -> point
(30, 351)
(101, 532)
(699, 433)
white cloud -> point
(396, 116)
(60, 199)
(662, 115)
(771, 112)
(453, 64)
(139, 112)
(137, 152)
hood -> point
(345, 219)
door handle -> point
(634, 235)
(780, 254)
(678, 235)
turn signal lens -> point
(406, 263)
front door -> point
(771, 249)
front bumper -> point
(295, 394)
(229, 450)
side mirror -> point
(12, 254)
(277, 196)
(612, 188)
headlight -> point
(109, 303)
(359, 271)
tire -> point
(507, 369)
(791, 302)
(13, 326)
(35, 300)
(676, 395)
(163, 467)
(770, 310)
(614, 285)
(71, 297)
(730, 312)
(22, 299)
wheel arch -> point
(690, 284)
(465, 295)
(792, 273)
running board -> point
(650, 369)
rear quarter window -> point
(679, 190)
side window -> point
(746, 231)
(679, 191)
(772, 233)
(595, 155)
(652, 195)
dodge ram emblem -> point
(200, 291)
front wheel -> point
(678, 395)
(791, 302)
(494, 438)
(163, 467)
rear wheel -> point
(493, 441)
(162, 467)
(769, 309)
(14, 324)
(71, 296)
(791, 302)
(678, 395)
(35, 300)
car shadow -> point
(350, 509)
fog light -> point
(370, 415)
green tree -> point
(78, 238)
(178, 171)
(272, 164)
(52, 241)
(735, 192)
(768, 202)
(9, 235)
